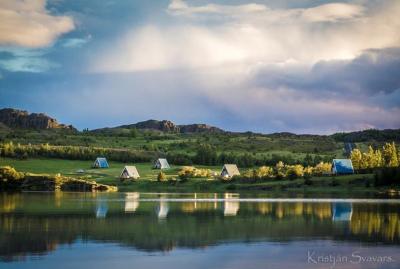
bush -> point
(161, 177)
(10, 179)
(193, 172)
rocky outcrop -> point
(15, 118)
(199, 128)
(163, 126)
(169, 126)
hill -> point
(165, 126)
(14, 118)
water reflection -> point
(37, 223)
(131, 201)
(162, 208)
(342, 211)
(231, 207)
(101, 209)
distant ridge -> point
(14, 118)
(169, 126)
(19, 119)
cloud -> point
(370, 73)
(251, 35)
(76, 42)
(14, 59)
(30, 64)
(326, 12)
(314, 69)
(320, 69)
(180, 7)
(332, 12)
(27, 23)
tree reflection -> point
(38, 223)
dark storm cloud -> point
(373, 72)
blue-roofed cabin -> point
(100, 163)
(342, 167)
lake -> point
(161, 230)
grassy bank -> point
(13, 180)
(349, 185)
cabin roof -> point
(231, 169)
(131, 170)
(163, 162)
(102, 161)
(343, 165)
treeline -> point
(12, 150)
(387, 156)
(368, 135)
(208, 155)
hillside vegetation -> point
(182, 144)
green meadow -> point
(350, 185)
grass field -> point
(344, 185)
(70, 168)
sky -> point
(266, 66)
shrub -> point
(322, 169)
(295, 171)
(193, 172)
(161, 177)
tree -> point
(295, 171)
(390, 155)
(134, 132)
(206, 155)
(356, 158)
(308, 160)
(322, 168)
(280, 170)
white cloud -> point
(27, 23)
(27, 64)
(76, 42)
(221, 50)
(325, 12)
(180, 7)
(251, 35)
(332, 12)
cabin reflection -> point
(162, 208)
(101, 209)
(131, 201)
(231, 204)
(342, 211)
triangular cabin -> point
(161, 164)
(100, 162)
(129, 172)
(230, 170)
(342, 167)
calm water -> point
(145, 230)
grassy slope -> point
(297, 146)
(345, 184)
